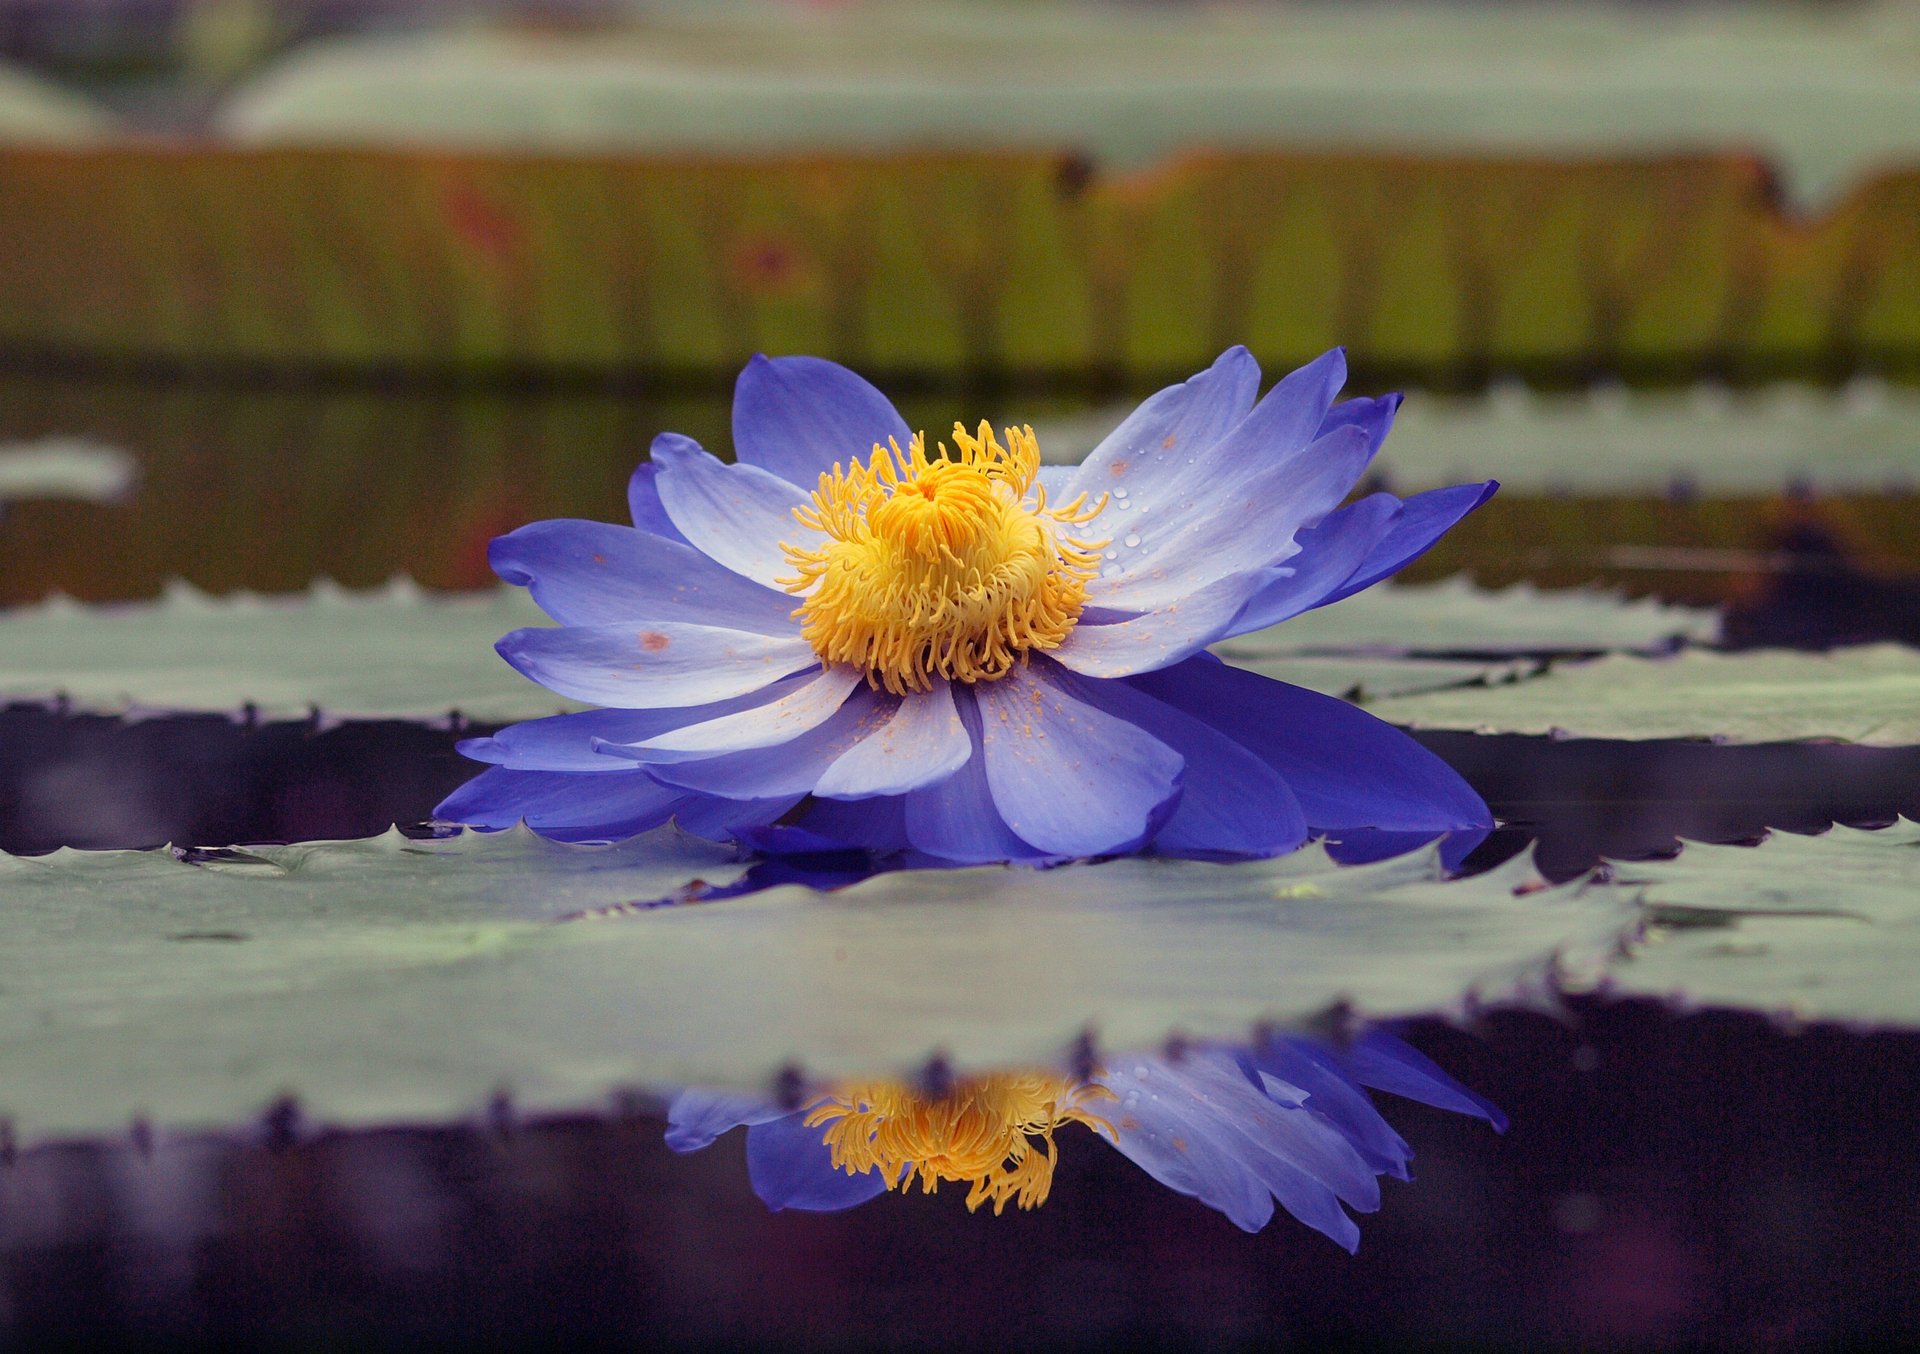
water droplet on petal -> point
(1133, 538)
(1121, 492)
(1113, 554)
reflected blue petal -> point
(696, 1117)
(791, 1167)
(1386, 1062)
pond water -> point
(1667, 1177)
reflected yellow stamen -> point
(983, 1131)
(951, 566)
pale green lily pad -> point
(1864, 439)
(1869, 694)
(1820, 927)
(1454, 616)
(395, 652)
(390, 980)
(1364, 680)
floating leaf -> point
(394, 653)
(1869, 694)
(1362, 679)
(1455, 617)
(1823, 927)
(388, 979)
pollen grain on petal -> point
(950, 566)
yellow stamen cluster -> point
(981, 1131)
(950, 566)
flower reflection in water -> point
(1239, 1129)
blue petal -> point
(1348, 769)
(1067, 777)
(1156, 1128)
(1161, 637)
(1331, 1092)
(790, 768)
(798, 416)
(1388, 1063)
(567, 742)
(737, 515)
(957, 820)
(647, 668)
(1373, 416)
(591, 573)
(568, 808)
(791, 1167)
(1244, 516)
(696, 1117)
(807, 703)
(1424, 519)
(877, 825)
(730, 819)
(1231, 802)
(922, 744)
(643, 495)
(1158, 441)
(1329, 554)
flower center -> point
(949, 567)
(982, 1131)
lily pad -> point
(395, 652)
(392, 980)
(1821, 927)
(1454, 616)
(1363, 679)
(1869, 694)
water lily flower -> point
(962, 654)
(1238, 1129)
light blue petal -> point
(957, 820)
(1329, 554)
(790, 768)
(1373, 415)
(806, 705)
(1244, 517)
(566, 742)
(737, 515)
(1388, 1063)
(1348, 769)
(1232, 804)
(791, 1167)
(797, 417)
(922, 744)
(643, 495)
(592, 573)
(1331, 1092)
(568, 808)
(696, 1117)
(1159, 1127)
(1162, 637)
(1157, 443)
(1423, 520)
(649, 667)
(1067, 777)
(730, 819)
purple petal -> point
(796, 417)
(1348, 769)
(1067, 777)
(1424, 519)
(1373, 416)
(791, 1167)
(643, 495)
(737, 515)
(568, 808)
(922, 744)
(1388, 1063)
(806, 705)
(1329, 554)
(790, 768)
(1231, 802)
(1243, 518)
(1331, 1092)
(1160, 638)
(566, 742)
(1158, 441)
(957, 820)
(649, 667)
(591, 573)
(696, 1117)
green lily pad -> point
(391, 980)
(1820, 927)
(1454, 616)
(1363, 679)
(1869, 694)
(395, 653)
